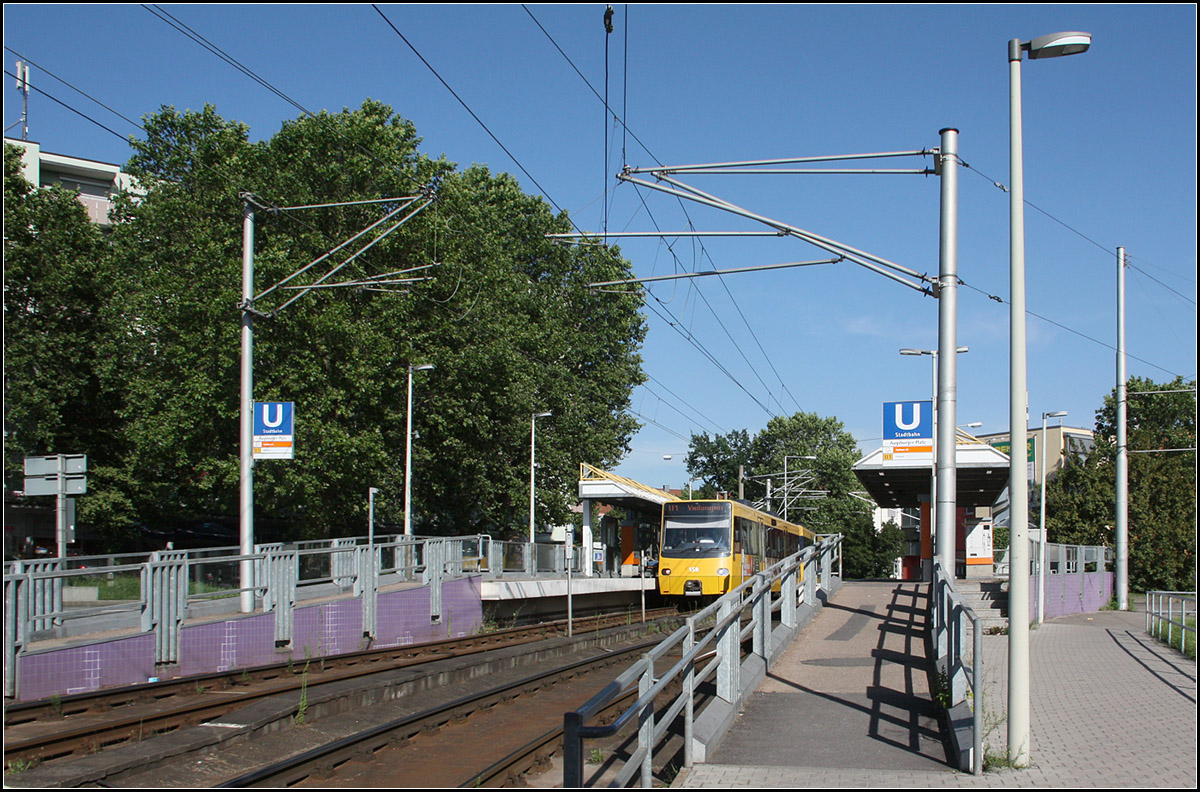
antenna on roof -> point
(23, 87)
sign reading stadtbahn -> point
(273, 430)
(908, 433)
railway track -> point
(493, 737)
(54, 732)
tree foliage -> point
(505, 317)
(1161, 438)
(56, 286)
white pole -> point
(946, 441)
(1018, 485)
(1122, 521)
(408, 460)
(1051, 46)
(532, 456)
(408, 450)
(246, 504)
(371, 520)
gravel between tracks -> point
(265, 732)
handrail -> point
(797, 576)
(1157, 616)
(167, 586)
(951, 615)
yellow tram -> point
(709, 547)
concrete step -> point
(989, 600)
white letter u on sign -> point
(916, 417)
(279, 415)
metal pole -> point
(1122, 527)
(1018, 485)
(371, 520)
(408, 460)
(1042, 534)
(1051, 46)
(60, 510)
(246, 504)
(532, 455)
(408, 450)
(947, 361)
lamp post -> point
(532, 456)
(1053, 45)
(1042, 523)
(408, 451)
(371, 518)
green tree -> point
(867, 553)
(803, 445)
(57, 281)
(506, 319)
(716, 459)
(1161, 438)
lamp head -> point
(1056, 45)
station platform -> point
(848, 705)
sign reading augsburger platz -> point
(908, 433)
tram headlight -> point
(722, 572)
(666, 570)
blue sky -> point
(1110, 160)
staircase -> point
(989, 600)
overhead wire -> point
(1108, 251)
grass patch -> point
(1181, 640)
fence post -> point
(16, 626)
(646, 725)
(729, 668)
(368, 587)
(761, 611)
(787, 590)
(689, 691)
(572, 750)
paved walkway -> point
(848, 705)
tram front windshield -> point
(697, 534)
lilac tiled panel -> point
(80, 669)
(1068, 594)
(462, 601)
(222, 646)
(329, 629)
(404, 616)
(248, 641)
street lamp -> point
(408, 451)
(1053, 45)
(1042, 523)
(532, 455)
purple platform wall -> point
(322, 630)
(1086, 592)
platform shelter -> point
(900, 481)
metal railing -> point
(1167, 615)
(953, 621)
(155, 592)
(710, 642)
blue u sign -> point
(908, 420)
(273, 418)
